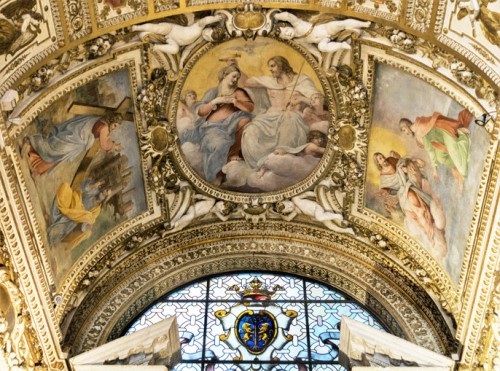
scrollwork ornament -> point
(163, 178)
(77, 15)
(19, 347)
(348, 173)
(150, 98)
(158, 140)
(248, 21)
(353, 93)
(419, 13)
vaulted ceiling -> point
(99, 220)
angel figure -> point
(488, 19)
(320, 34)
(169, 37)
(19, 25)
(199, 205)
(308, 205)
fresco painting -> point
(252, 116)
(425, 161)
(83, 167)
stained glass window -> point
(257, 321)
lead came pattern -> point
(310, 336)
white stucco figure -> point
(311, 205)
(307, 204)
(169, 37)
(320, 34)
(201, 206)
(195, 206)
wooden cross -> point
(102, 111)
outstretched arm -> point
(209, 20)
(286, 16)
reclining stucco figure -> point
(169, 37)
(320, 34)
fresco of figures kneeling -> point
(82, 165)
(425, 160)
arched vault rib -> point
(353, 267)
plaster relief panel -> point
(474, 25)
(419, 13)
(29, 31)
(425, 160)
(81, 162)
(77, 17)
(385, 9)
(111, 12)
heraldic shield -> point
(255, 326)
(256, 330)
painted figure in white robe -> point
(281, 125)
(423, 213)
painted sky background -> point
(253, 62)
(422, 99)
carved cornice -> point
(481, 279)
(29, 265)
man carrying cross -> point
(89, 130)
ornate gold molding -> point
(301, 244)
(481, 280)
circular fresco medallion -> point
(252, 117)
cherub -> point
(200, 205)
(169, 37)
(319, 34)
(316, 111)
(315, 146)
